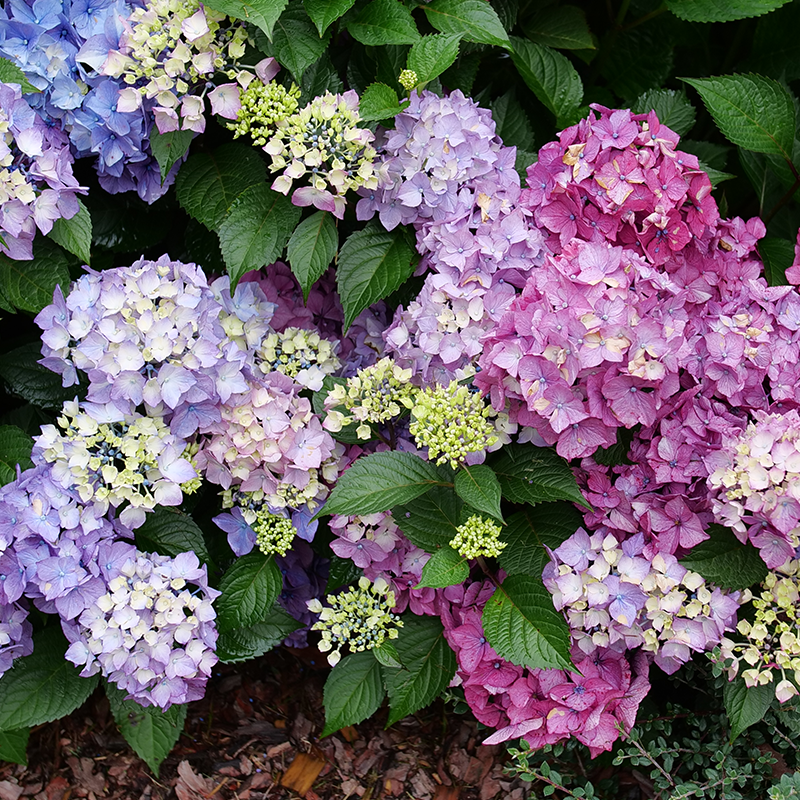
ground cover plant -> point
(457, 339)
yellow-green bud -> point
(408, 79)
(476, 537)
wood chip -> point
(302, 772)
(447, 793)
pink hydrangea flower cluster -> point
(754, 483)
(616, 597)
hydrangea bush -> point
(462, 415)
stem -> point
(785, 199)
(486, 571)
(623, 10)
(646, 18)
(647, 755)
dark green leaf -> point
(311, 249)
(75, 234)
(372, 263)
(563, 27)
(513, 125)
(387, 655)
(721, 10)
(14, 746)
(15, 448)
(261, 13)
(478, 486)
(247, 643)
(342, 572)
(754, 112)
(150, 732)
(29, 380)
(209, 183)
(640, 59)
(746, 707)
(549, 75)
(169, 148)
(475, 20)
(11, 73)
(444, 568)
(672, 108)
(777, 255)
(380, 481)
(428, 667)
(29, 285)
(432, 55)
(170, 533)
(319, 78)
(774, 48)
(384, 22)
(43, 686)
(296, 43)
(724, 560)
(430, 522)
(354, 691)
(256, 230)
(523, 627)
(528, 533)
(325, 12)
(378, 101)
(249, 588)
(530, 474)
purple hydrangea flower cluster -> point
(37, 186)
(305, 576)
(151, 632)
(616, 597)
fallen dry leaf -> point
(10, 791)
(192, 786)
(302, 772)
(83, 770)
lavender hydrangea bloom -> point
(305, 575)
(16, 634)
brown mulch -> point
(255, 736)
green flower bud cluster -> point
(408, 79)
(476, 537)
(300, 354)
(274, 534)
(452, 422)
(263, 106)
(360, 619)
(190, 454)
(773, 637)
(376, 394)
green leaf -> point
(372, 263)
(378, 101)
(549, 75)
(433, 54)
(640, 59)
(342, 572)
(475, 20)
(261, 13)
(324, 12)
(380, 481)
(247, 643)
(721, 10)
(14, 746)
(170, 532)
(774, 48)
(29, 285)
(15, 448)
(311, 249)
(11, 73)
(319, 78)
(75, 234)
(430, 522)
(387, 655)
(777, 255)
(28, 379)
(428, 667)
(513, 125)
(478, 486)
(295, 41)
(43, 686)
(249, 588)
(529, 532)
(746, 707)
(209, 183)
(530, 474)
(384, 22)
(724, 560)
(256, 230)
(151, 732)
(562, 27)
(672, 108)
(169, 148)
(521, 624)
(754, 112)
(444, 568)
(354, 691)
